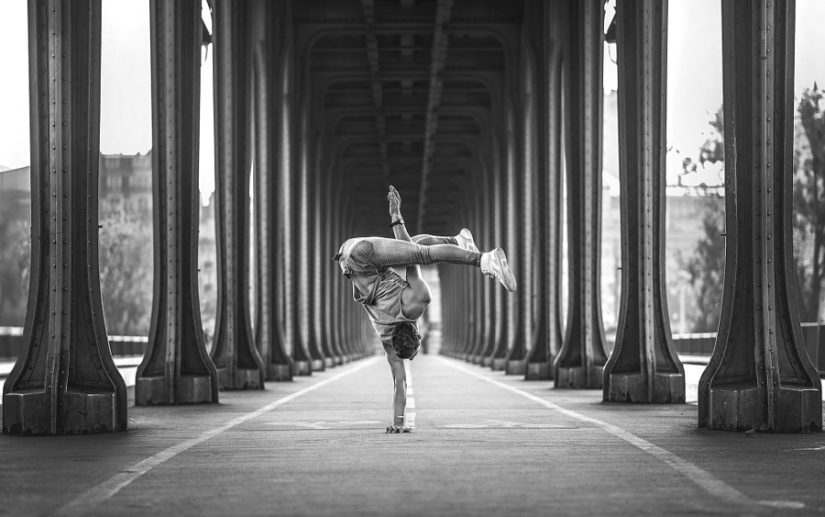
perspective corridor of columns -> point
(483, 114)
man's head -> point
(405, 340)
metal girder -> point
(439, 58)
(234, 353)
(64, 380)
(644, 366)
(377, 94)
(176, 368)
(581, 359)
(268, 110)
(759, 376)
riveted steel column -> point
(64, 380)
(501, 309)
(487, 242)
(581, 359)
(548, 338)
(644, 366)
(519, 239)
(320, 262)
(269, 334)
(234, 353)
(759, 376)
(306, 292)
(295, 247)
(176, 368)
(333, 235)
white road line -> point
(87, 501)
(701, 477)
(410, 415)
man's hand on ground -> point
(398, 429)
(395, 203)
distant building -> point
(124, 184)
(15, 193)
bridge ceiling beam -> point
(375, 84)
(439, 58)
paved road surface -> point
(484, 444)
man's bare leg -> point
(399, 392)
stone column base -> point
(245, 379)
(28, 412)
(318, 365)
(574, 377)
(190, 389)
(302, 368)
(279, 372)
(741, 407)
(538, 372)
(499, 364)
(515, 367)
(487, 362)
(668, 388)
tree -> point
(126, 268)
(14, 265)
(706, 267)
(809, 203)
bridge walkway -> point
(483, 443)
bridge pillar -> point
(304, 296)
(176, 368)
(64, 380)
(759, 376)
(267, 113)
(479, 228)
(321, 266)
(519, 233)
(498, 358)
(336, 282)
(487, 228)
(581, 359)
(644, 366)
(234, 353)
(547, 106)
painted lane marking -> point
(96, 495)
(410, 415)
(323, 425)
(698, 475)
(501, 424)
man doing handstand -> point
(394, 304)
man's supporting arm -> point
(399, 389)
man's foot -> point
(465, 240)
(494, 263)
(391, 429)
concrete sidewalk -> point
(484, 444)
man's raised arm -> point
(398, 228)
(400, 231)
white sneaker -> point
(494, 263)
(465, 240)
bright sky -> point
(694, 77)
